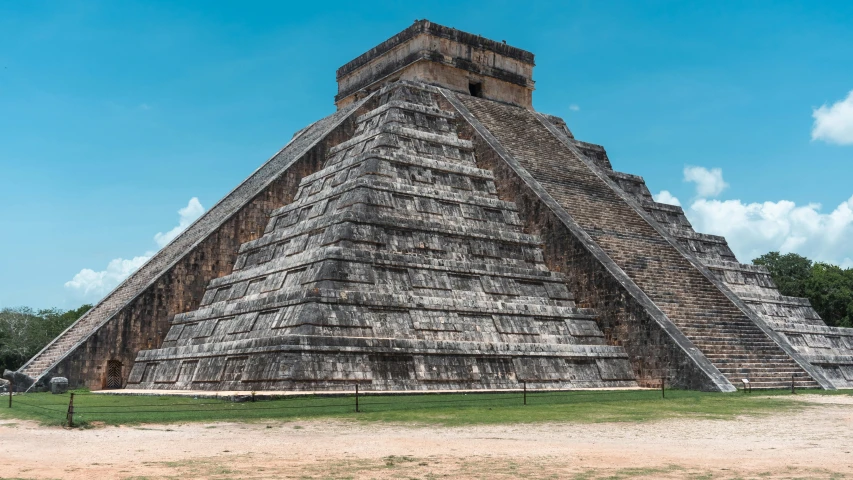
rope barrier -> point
(81, 412)
(137, 406)
(441, 401)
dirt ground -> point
(814, 443)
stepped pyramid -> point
(396, 265)
(436, 232)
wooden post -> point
(356, 398)
(663, 386)
(70, 415)
(793, 391)
(11, 390)
(525, 392)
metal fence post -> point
(525, 392)
(663, 386)
(793, 391)
(356, 398)
(11, 390)
(70, 415)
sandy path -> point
(813, 443)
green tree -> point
(24, 331)
(830, 289)
(789, 271)
(15, 325)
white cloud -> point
(187, 216)
(92, 285)
(574, 107)
(834, 123)
(756, 228)
(709, 183)
(665, 197)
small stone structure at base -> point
(58, 385)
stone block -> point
(58, 385)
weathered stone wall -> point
(144, 322)
(622, 319)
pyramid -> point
(396, 266)
(436, 232)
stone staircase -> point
(88, 323)
(741, 350)
(792, 318)
(724, 333)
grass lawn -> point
(445, 409)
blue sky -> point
(114, 115)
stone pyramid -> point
(396, 266)
(438, 232)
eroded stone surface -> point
(396, 266)
(136, 315)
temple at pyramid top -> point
(442, 56)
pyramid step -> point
(437, 299)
